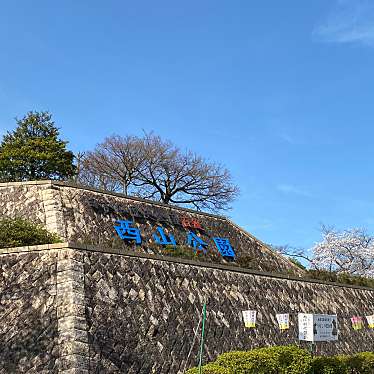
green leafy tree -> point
(33, 151)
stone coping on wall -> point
(122, 252)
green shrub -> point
(324, 275)
(277, 360)
(345, 278)
(18, 232)
(330, 365)
(355, 280)
(362, 363)
(183, 251)
(291, 359)
(257, 361)
(287, 360)
(210, 369)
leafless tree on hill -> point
(113, 165)
(152, 168)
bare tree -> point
(152, 168)
(293, 253)
(177, 177)
(113, 165)
(79, 157)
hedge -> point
(210, 369)
(277, 360)
(287, 360)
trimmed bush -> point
(256, 361)
(362, 363)
(287, 360)
(330, 365)
(210, 369)
(277, 360)
(18, 232)
(291, 359)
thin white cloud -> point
(291, 189)
(350, 21)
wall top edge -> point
(201, 264)
(28, 183)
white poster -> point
(370, 320)
(249, 317)
(305, 327)
(318, 327)
(283, 321)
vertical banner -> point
(305, 326)
(283, 321)
(370, 320)
(249, 318)
(357, 323)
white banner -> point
(318, 327)
(370, 320)
(249, 317)
(283, 321)
(305, 327)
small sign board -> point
(283, 321)
(318, 327)
(249, 318)
(370, 320)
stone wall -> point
(28, 313)
(103, 305)
(142, 312)
(36, 201)
(88, 217)
(42, 311)
(84, 309)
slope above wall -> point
(88, 216)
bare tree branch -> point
(152, 168)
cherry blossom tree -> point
(348, 251)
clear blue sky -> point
(281, 92)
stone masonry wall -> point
(28, 313)
(88, 217)
(42, 311)
(72, 309)
(37, 201)
(141, 313)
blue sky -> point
(281, 92)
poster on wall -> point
(283, 321)
(357, 323)
(305, 326)
(370, 320)
(249, 318)
(318, 327)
